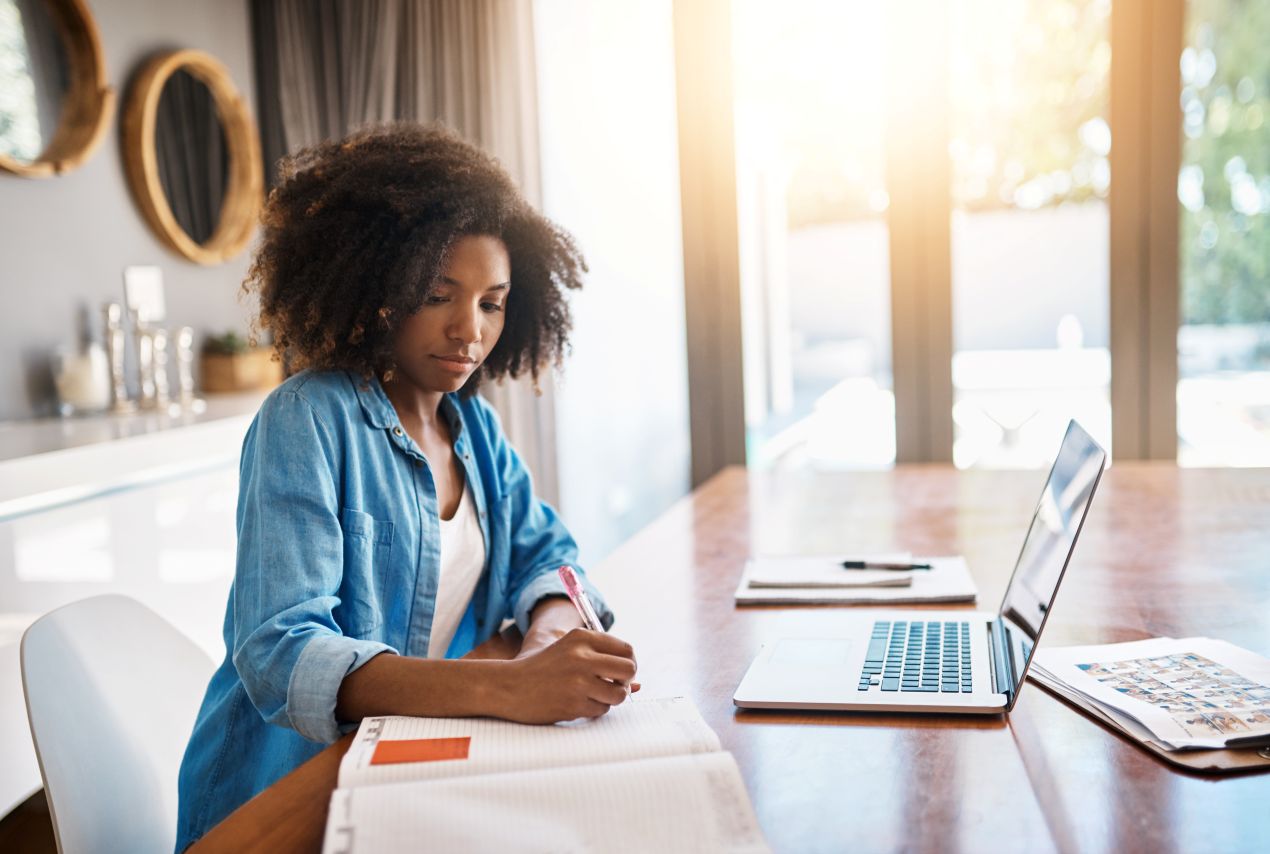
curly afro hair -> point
(357, 231)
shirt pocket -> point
(367, 549)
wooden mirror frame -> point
(244, 191)
(88, 104)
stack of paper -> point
(821, 579)
(648, 776)
(1175, 694)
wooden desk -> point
(1166, 551)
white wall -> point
(610, 175)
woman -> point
(385, 526)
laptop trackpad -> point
(811, 652)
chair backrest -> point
(112, 690)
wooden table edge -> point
(290, 815)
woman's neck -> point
(412, 403)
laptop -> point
(940, 661)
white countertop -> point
(53, 461)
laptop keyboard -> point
(918, 656)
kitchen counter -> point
(50, 462)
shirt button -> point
(397, 431)
(418, 464)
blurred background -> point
(831, 122)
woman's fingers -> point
(609, 693)
(611, 667)
(594, 709)
(610, 645)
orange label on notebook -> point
(419, 750)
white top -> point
(462, 561)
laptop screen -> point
(1048, 546)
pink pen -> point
(579, 598)
(582, 602)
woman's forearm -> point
(580, 675)
(397, 685)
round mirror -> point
(54, 103)
(192, 156)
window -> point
(1029, 140)
(606, 115)
(810, 118)
(1223, 188)
(1018, 266)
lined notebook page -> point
(670, 804)
(637, 729)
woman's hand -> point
(580, 675)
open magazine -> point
(1175, 694)
(650, 776)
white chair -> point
(112, 690)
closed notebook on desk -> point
(649, 775)
(948, 580)
(816, 571)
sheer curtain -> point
(325, 68)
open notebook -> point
(648, 776)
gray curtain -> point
(327, 67)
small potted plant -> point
(230, 363)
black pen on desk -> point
(882, 564)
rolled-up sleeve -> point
(289, 651)
(539, 540)
(315, 682)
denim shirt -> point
(338, 561)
